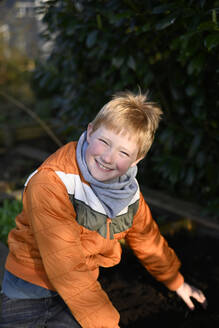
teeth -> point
(103, 167)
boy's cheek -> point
(94, 149)
(124, 166)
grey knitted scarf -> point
(113, 195)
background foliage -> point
(8, 212)
(170, 48)
(15, 77)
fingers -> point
(204, 304)
(189, 303)
(185, 291)
(199, 296)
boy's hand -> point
(185, 291)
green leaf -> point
(200, 159)
(131, 63)
(190, 176)
(196, 64)
(207, 26)
(214, 16)
(194, 145)
(163, 8)
(8, 212)
(212, 41)
(99, 21)
(191, 90)
(164, 23)
(91, 39)
(148, 78)
(202, 3)
(176, 93)
(145, 28)
(117, 61)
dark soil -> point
(142, 301)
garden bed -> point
(144, 302)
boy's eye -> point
(124, 153)
(102, 140)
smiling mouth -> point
(103, 167)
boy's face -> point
(109, 155)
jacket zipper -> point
(108, 222)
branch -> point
(34, 116)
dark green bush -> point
(8, 211)
(170, 48)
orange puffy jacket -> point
(63, 235)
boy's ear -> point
(137, 161)
(89, 131)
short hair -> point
(134, 113)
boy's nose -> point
(108, 157)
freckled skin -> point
(109, 155)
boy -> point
(76, 207)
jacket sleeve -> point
(152, 249)
(57, 235)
